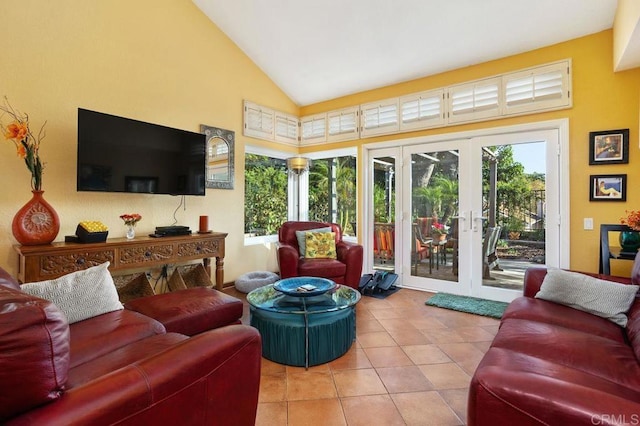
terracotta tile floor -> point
(410, 365)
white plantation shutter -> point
(258, 121)
(313, 129)
(379, 118)
(286, 129)
(422, 110)
(474, 101)
(343, 124)
(536, 89)
(540, 88)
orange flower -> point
(632, 220)
(27, 145)
(22, 152)
(17, 130)
(131, 219)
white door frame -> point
(562, 199)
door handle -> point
(461, 218)
(477, 218)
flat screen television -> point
(117, 154)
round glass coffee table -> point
(304, 327)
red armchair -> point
(345, 269)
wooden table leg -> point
(219, 273)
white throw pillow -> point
(301, 236)
(80, 295)
(603, 298)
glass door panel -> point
(383, 234)
(432, 216)
(513, 201)
(519, 188)
(434, 199)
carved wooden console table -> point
(45, 262)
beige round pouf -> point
(252, 280)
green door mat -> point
(472, 305)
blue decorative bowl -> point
(304, 286)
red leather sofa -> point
(550, 364)
(346, 269)
(198, 368)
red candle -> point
(204, 223)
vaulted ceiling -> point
(319, 50)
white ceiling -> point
(318, 50)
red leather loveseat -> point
(345, 269)
(124, 367)
(551, 364)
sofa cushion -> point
(99, 335)
(599, 297)
(122, 357)
(34, 360)
(190, 311)
(513, 388)
(553, 313)
(608, 359)
(323, 268)
(321, 245)
(301, 236)
(80, 295)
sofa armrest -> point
(351, 254)
(7, 280)
(288, 258)
(533, 278)
(214, 377)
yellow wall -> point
(161, 61)
(602, 100)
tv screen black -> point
(117, 154)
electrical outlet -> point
(588, 223)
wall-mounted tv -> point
(117, 154)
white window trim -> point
(258, 150)
(333, 153)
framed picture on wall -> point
(608, 188)
(609, 147)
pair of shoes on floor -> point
(377, 282)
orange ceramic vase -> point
(36, 223)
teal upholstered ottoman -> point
(304, 330)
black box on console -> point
(85, 236)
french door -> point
(469, 215)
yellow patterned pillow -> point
(321, 245)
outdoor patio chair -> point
(489, 254)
